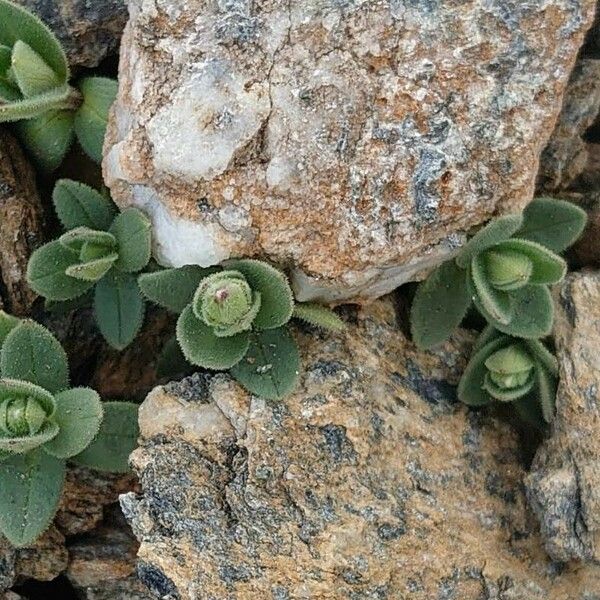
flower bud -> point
(21, 416)
(507, 270)
(510, 373)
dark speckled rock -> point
(369, 483)
(88, 30)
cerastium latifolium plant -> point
(102, 249)
(508, 369)
(43, 423)
(36, 95)
(504, 270)
(236, 318)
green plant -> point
(44, 423)
(35, 91)
(507, 369)
(102, 250)
(236, 318)
(505, 270)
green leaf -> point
(47, 138)
(277, 299)
(31, 353)
(5, 58)
(533, 314)
(319, 315)
(29, 108)
(7, 324)
(553, 223)
(270, 368)
(440, 304)
(79, 205)
(63, 307)
(8, 92)
(17, 23)
(78, 416)
(132, 230)
(173, 289)
(470, 387)
(31, 488)
(78, 237)
(32, 73)
(92, 270)
(528, 408)
(547, 266)
(20, 445)
(496, 302)
(171, 361)
(546, 388)
(115, 441)
(46, 273)
(203, 348)
(497, 230)
(90, 120)
(489, 334)
(119, 308)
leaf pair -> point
(235, 319)
(504, 270)
(101, 250)
(43, 423)
(35, 91)
(507, 369)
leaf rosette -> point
(508, 369)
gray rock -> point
(564, 485)
(355, 141)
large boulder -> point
(353, 141)
(369, 482)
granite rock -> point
(353, 141)
(21, 221)
(564, 485)
(369, 482)
(566, 155)
(88, 31)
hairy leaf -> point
(543, 355)
(29, 495)
(319, 315)
(17, 23)
(533, 313)
(26, 443)
(471, 389)
(78, 237)
(496, 231)
(28, 108)
(78, 416)
(132, 230)
(119, 308)
(90, 120)
(271, 366)
(92, 270)
(496, 302)
(115, 441)
(47, 138)
(17, 387)
(547, 266)
(171, 361)
(277, 299)
(489, 334)
(546, 388)
(7, 324)
(32, 73)
(79, 205)
(440, 304)
(31, 353)
(173, 289)
(203, 348)
(46, 273)
(553, 223)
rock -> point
(369, 482)
(587, 248)
(102, 564)
(354, 142)
(21, 220)
(566, 155)
(564, 485)
(88, 31)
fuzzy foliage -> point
(103, 250)
(35, 92)
(508, 369)
(505, 271)
(235, 318)
(44, 423)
